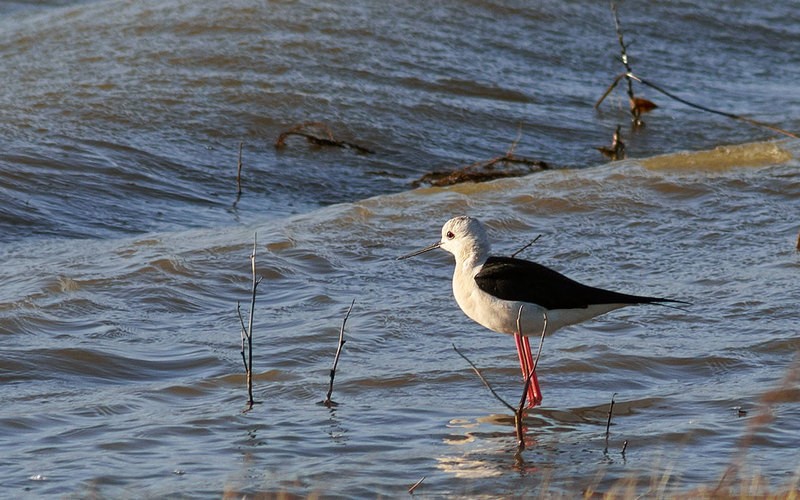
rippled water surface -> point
(124, 249)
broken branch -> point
(328, 402)
(638, 105)
(319, 134)
(617, 149)
(525, 247)
(483, 171)
(414, 487)
(610, 411)
(485, 382)
(520, 409)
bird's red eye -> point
(450, 235)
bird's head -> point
(464, 237)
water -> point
(124, 255)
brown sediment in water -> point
(722, 158)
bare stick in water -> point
(328, 402)
(414, 487)
(519, 410)
(541, 343)
(247, 331)
(238, 177)
(524, 248)
(638, 105)
(485, 382)
(635, 112)
(245, 335)
(610, 412)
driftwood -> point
(318, 134)
(512, 166)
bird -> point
(520, 297)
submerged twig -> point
(483, 171)
(328, 402)
(319, 134)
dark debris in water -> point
(318, 134)
(617, 149)
(510, 165)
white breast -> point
(501, 315)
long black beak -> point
(426, 249)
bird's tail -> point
(658, 301)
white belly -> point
(501, 315)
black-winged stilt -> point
(491, 290)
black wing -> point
(520, 280)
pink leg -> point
(526, 365)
